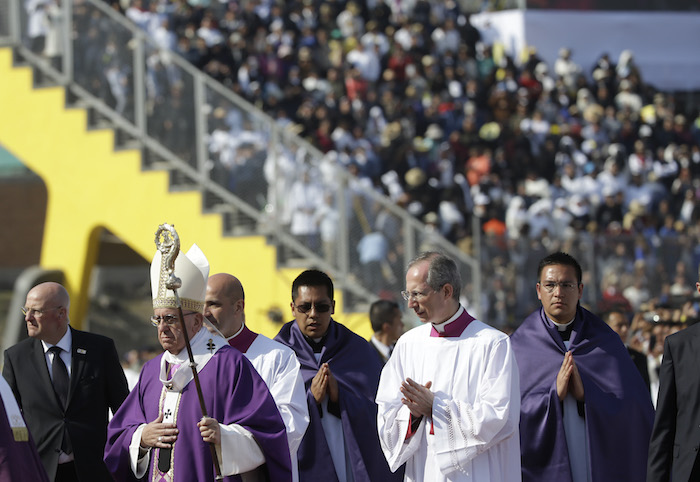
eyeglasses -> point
(32, 312)
(564, 285)
(416, 295)
(319, 307)
(170, 320)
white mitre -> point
(193, 269)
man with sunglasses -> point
(586, 413)
(160, 430)
(65, 381)
(341, 373)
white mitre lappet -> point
(192, 269)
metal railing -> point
(251, 168)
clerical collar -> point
(229, 338)
(316, 343)
(242, 340)
(562, 326)
(454, 326)
(564, 329)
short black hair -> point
(312, 277)
(379, 313)
(560, 258)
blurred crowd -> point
(505, 156)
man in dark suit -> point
(387, 325)
(65, 380)
(673, 448)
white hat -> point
(193, 269)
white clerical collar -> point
(561, 326)
(65, 343)
(440, 328)
(237, 333)
(383, 349)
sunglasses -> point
(319, 307)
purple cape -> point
(18, 460)
(618, 410)
(356, 366)
(233, 393)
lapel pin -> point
(82, 351)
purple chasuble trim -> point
(243, 340)
(454, 328)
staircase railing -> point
(250, 167)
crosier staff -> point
(168, 243)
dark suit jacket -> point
(97, 383)
(676, 436)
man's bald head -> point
(224, 305)
(47, 308)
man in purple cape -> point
(19, 459)
(341, 374)
(585, 411)
(159, 429)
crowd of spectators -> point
(415, 101)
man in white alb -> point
(277, 364)
(449, 397)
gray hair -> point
(442, 270)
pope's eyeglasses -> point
(170, 320)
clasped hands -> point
(418, 398)
(569, 379)
(324, 383)
(163, 435)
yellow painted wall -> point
(91, 187)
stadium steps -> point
(93, 186)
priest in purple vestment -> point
(585, 411)
(341, 373)
(19, 459)
(159, 429)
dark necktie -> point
(61, 384)
(60, 376)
